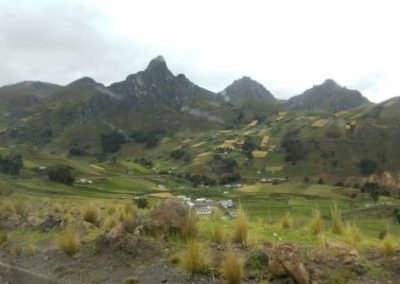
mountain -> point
(250, 99)
(150, 100)
(327, 96)
(246, 89)
(22, 99)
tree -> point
(294, 147)
(112, 142)
(12, 164)
(61, 174)
(248, 147)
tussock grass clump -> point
(194, 258)
(286, 222)
(337, 222)
(352, 234)
(3, 238)
(189, 226)
(129, 208)
(16, 250)
(69, 242)
(388, 245)
(90, 213)
(232, 268)
(217, 229)
(317, 224)
(109, 222)
(6, 206)
(217, 232)
(241, 228)
(130, 280)
(30, 249)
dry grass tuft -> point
(317, 224)
(194, 258)
(91, 214)
(286, 222)
(69, 242)
(388, 245)
(232, 268)
(337, 222)
(3, 238)
(189, 227)
(241, 227)
(30, 249)
(109, 222)
(352, 234)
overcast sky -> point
(288, 46)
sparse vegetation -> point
(3, 238)
(352, 234)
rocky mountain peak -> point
(327, 96)
(246, 88)
(158, 70)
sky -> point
(288, 46)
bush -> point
(194, 258)
(90, 214)
(177, 154)
(337, 222)
(69, 242)
(306, 179)
(286, 221)
(232, 268)
(61, 174)
(317, 224)
(388, 245)
(367, 167)
(241, 227)
(141, 202)
(189, 225)
(320, 181)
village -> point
(204, 206)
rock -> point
(286, 261)
(34, 221)
(348, 259)
(359, 269)
(50, 223)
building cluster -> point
(204, 206)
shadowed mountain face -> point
(327, 96)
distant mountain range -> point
(330, 127)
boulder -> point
(286, 261)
